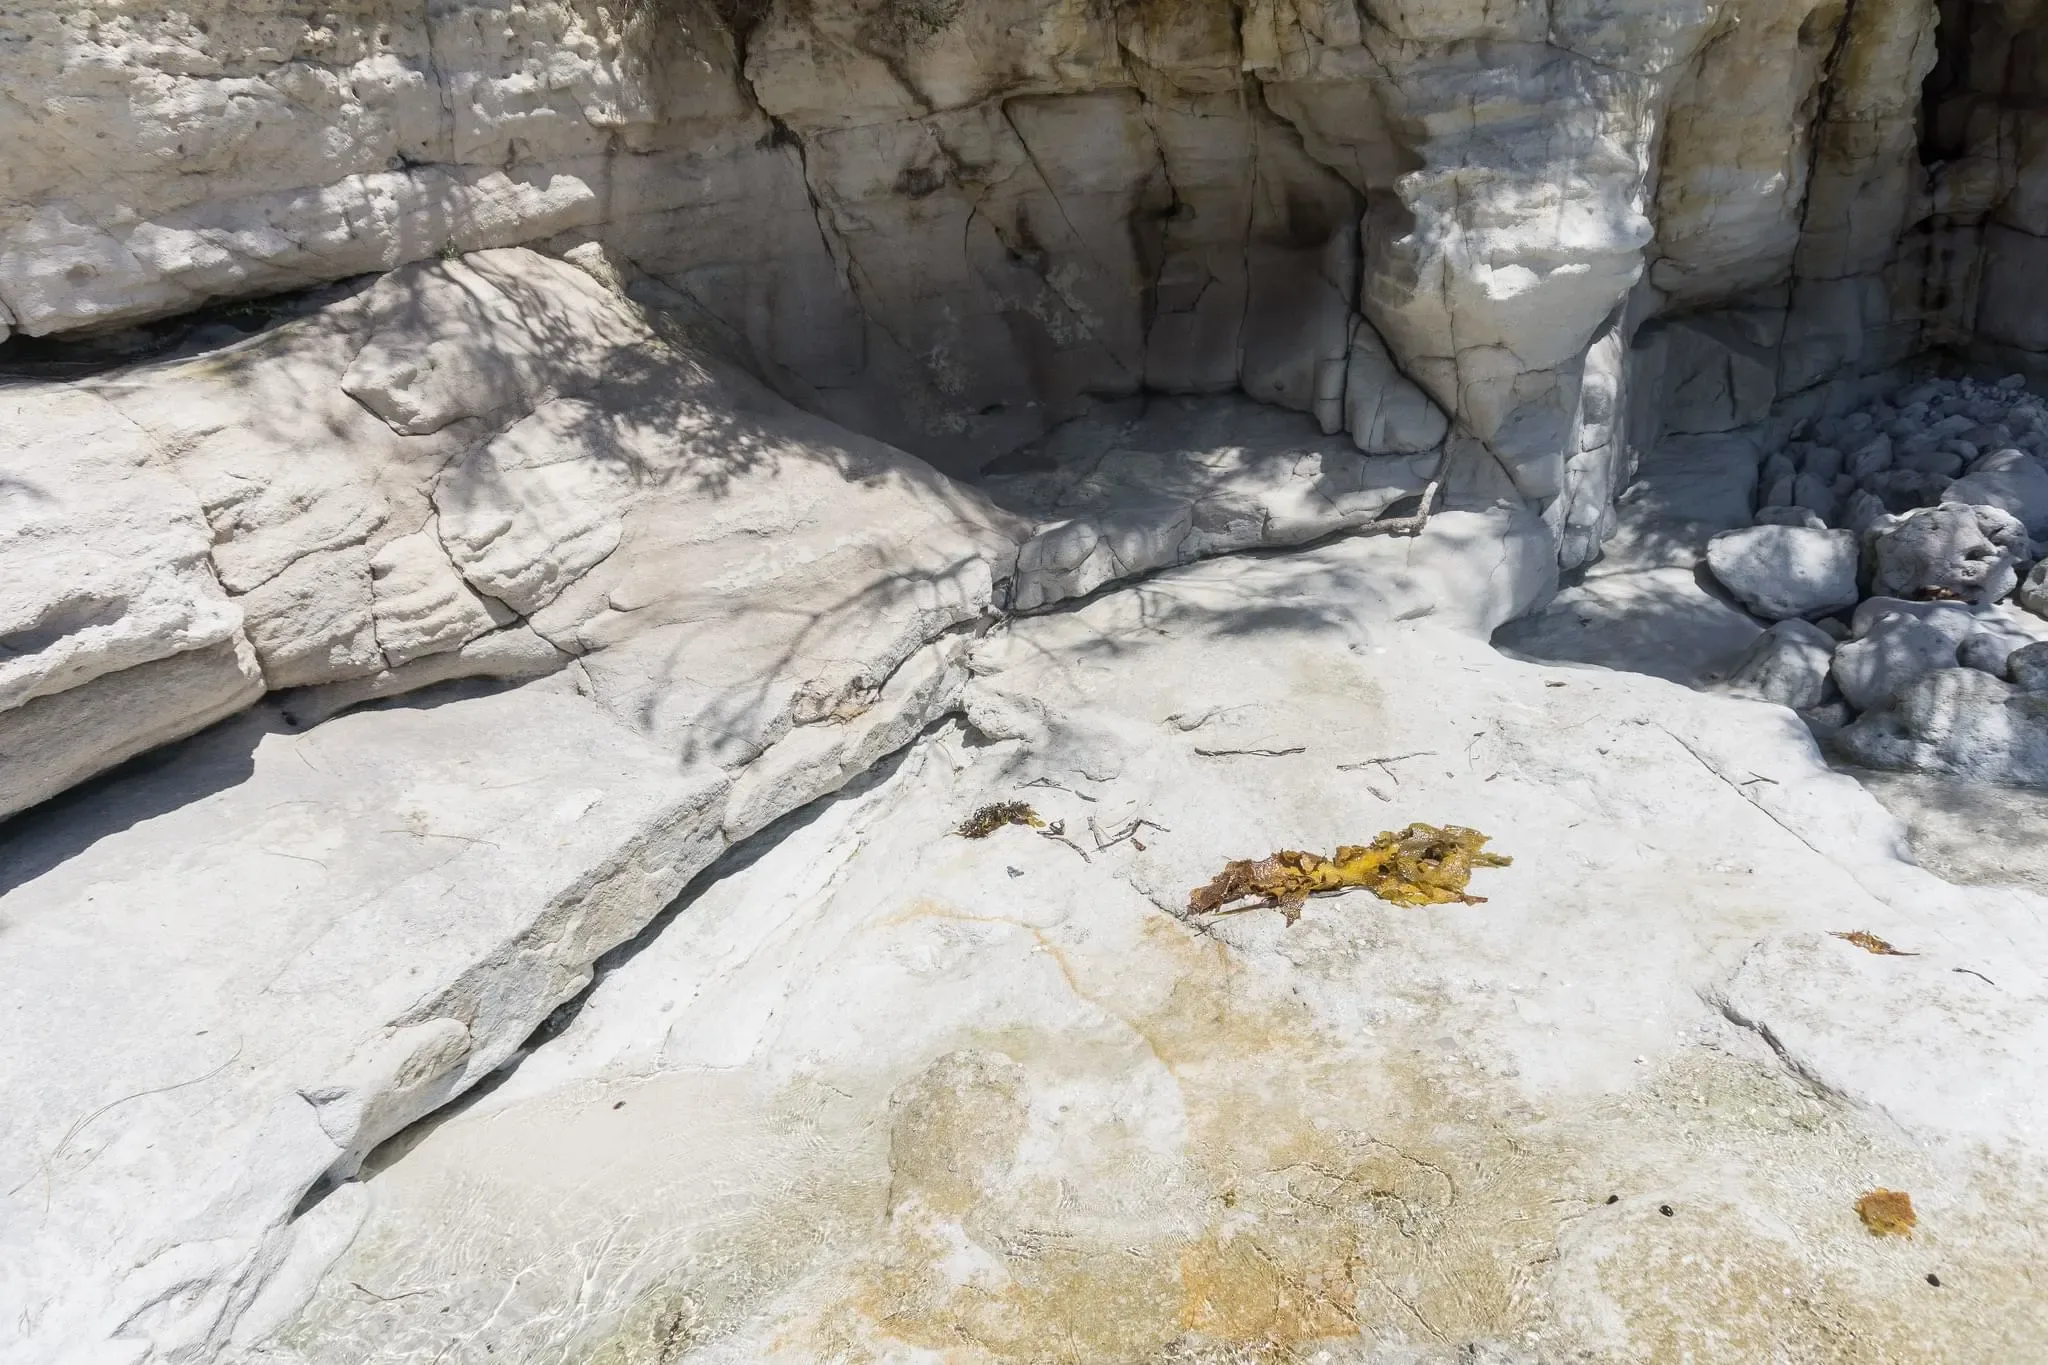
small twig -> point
(1967, 971)
(1180, 721)
(435, 834)
(1737, 788)
(1059, 787)
(1250, 753)
(1138, 823)
(1381, 763)
(296, 857)
(388, 1298)
(80, 1126)
(1413, 525)
(1057, 832)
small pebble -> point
(1664, 1209)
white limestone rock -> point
(115, 635)
(1887, 1032)
(1862, 511)
(1872, 456)
(531, 511)
(1963, 552)
(1385, 412)
(2027, 666)
(1876, 666)
(1960, 721)
(58, 740)
(550, 330)
(338, 931)
(1788, 665)
(314, 621)
(420, 605)
(1644, 605)
(1955, 620)
(1987, 652)
(1902, 489)
(1790, 515)
(514, 654)
(103, 553)
(955, 235)
(2010, 480)
(1786, 571)
(1184, 480)
(2033, 591)
(1602, 453)
(977, 1038)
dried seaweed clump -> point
(1421, 865)
(989, 819)
(1871, 943)
(1887, 1213)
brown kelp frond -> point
(991, 818)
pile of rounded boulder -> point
(1899, 553)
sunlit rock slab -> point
(232, 974)
(884, 1093)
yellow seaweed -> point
(1420, 865)
(1887, 1213)
(1870, 943)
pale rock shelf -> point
(525, 528)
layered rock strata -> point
(954, 226)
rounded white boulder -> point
(1780, 572)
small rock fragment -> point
(1872, 456)
(1817, 494)
(1828, 717)
(1861, 511)
(1902, 490)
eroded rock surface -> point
(953, 227)
(635, 352)
(490, 467)
(884, 1091)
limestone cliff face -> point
(954, 223)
